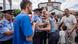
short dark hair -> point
(24, 4)
(8, 12)
(67, 9)
(53, 13)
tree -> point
(16, 12)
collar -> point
(7, 21)
(23, 12)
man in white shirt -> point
(70, 21)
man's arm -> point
(27, 28)
(7, 31)
(38, 25)
(62, 20)
(34, 26)
(74, 23)
(46, 28)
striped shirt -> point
(7, 26)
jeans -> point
(53, 37)
(6, 42)
(39, 37)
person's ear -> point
(28, 6)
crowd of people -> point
(40, 27)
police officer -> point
(6, 33)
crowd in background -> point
(56, 30)
(41, 27)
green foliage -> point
(16, 12)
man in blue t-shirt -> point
(22, 25)
(54, 33)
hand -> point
(8, 33)
(29, 39)
(37, 28)
(71, 31)
(40, 24)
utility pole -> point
(4, 4)
(49, 0)
(52, 0)
(10, 4)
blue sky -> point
(72, 4)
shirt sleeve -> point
(26, 26)
(74, 19)
(5, 28)
(32, 18)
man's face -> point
(8, 16)
(45, 14)
(66, 11)
(39, 13)
(29, 8)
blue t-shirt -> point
(52, 22)
(22, 29)
(34, 18)
(37, 19)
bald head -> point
(46, 14)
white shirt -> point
(69, 21)
(62, 36)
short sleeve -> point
(26, 26)
(74, 19)
(32, 18)
(4, 28)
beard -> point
(29, 11)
